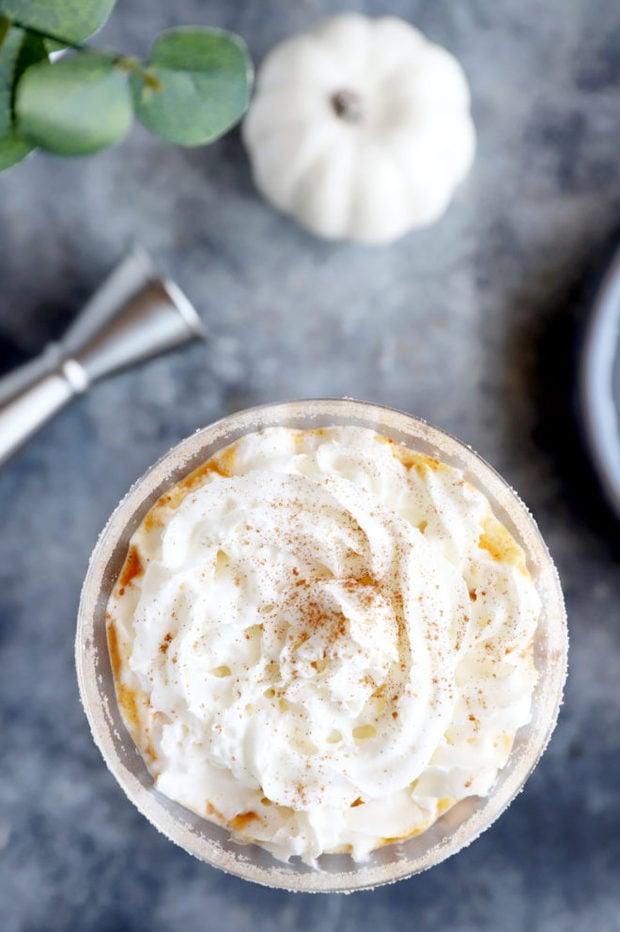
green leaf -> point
(197, 87)
(13, 150)
(74, 106)
(74, 20)
(19, 50)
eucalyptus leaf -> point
(197, 85)
(73, 20)
(13, 150)
(74, 106)
(19, 50)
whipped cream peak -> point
(322, 623)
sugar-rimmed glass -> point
(211, 843)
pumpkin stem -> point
(347, 105)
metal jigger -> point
(133, 316)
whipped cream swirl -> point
(323, 640)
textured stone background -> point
(470, 324)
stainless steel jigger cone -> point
(133, 316)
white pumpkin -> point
(360, 129)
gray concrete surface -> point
(470, 324)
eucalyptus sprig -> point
(193, 87)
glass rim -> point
(338, 873)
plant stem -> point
(50, 35)
(347, 105)
(134, 67)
